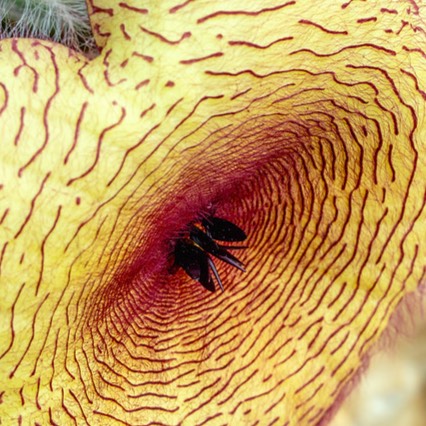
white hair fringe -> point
(61, 21)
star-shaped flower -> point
(300, 122)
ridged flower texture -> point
(302, 122)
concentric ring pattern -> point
(303, 124)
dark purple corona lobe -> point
(223, 230)
(192, 252)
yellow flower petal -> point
(303, 124)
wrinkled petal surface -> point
(300, 122)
